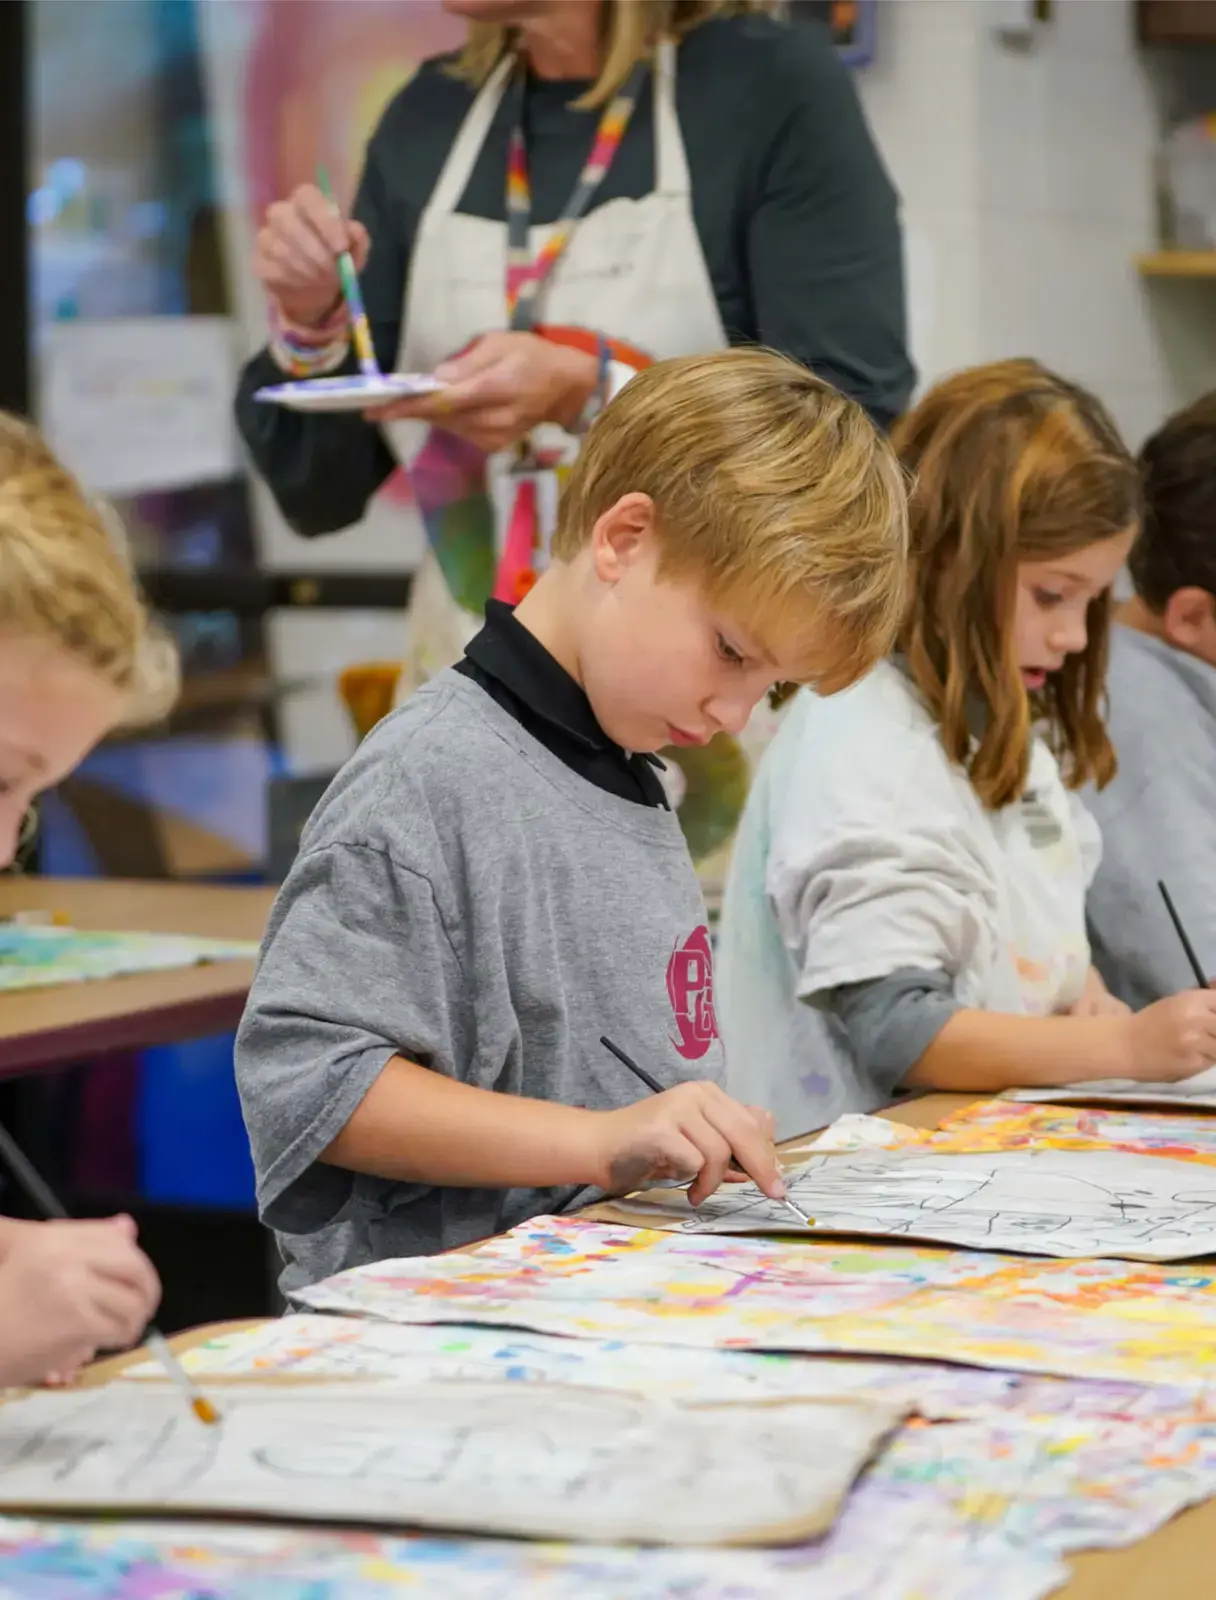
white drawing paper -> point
(1039, 1202)
(1198, 1092)
(538, 1461)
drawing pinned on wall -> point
(552, 1462)
(1097, 1319)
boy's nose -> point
(731, 713)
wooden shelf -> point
(1177, 264)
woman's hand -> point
(501, 388)
(1096, 1000)
(297, 252)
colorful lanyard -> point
(526, 277)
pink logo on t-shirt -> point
(690, 987)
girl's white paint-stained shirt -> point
(865, 851)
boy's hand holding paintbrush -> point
(692, 1130)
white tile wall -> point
(1027, 177)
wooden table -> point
(54, 1027)
(1175, 1563)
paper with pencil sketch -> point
(1040, 1201)
(538, 1461)
(1198, 1091)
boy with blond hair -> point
(495, 880)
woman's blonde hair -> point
(772, 492)
(1010, 463)
(630, 28)
(63, 577)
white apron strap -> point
(462, 157)
(671, 164)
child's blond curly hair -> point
(63, 577)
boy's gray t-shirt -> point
(1158, 820)
(463, 899)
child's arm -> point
(67, 1290)
(986, 1050)
(1097, 1000)
(417, 1126)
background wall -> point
(1027, 171)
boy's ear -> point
(622, 536)
(1189, 621)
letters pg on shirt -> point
(690, 988)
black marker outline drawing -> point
(1063, 1203)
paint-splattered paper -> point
(1012, 1125)
(312, 1347)
(980, 1510)
(910, 1558)
(304, 1346)
(33, 957)
(1099, 1319)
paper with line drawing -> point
(1044, 1202)
(537, 1461)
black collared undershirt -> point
(520, 675)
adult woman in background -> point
(592, 185)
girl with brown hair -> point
(907, 898)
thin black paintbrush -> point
(656, 1087)
(54, 1210)
(1201, 977)
(640, 1073)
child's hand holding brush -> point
(68, 1290)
